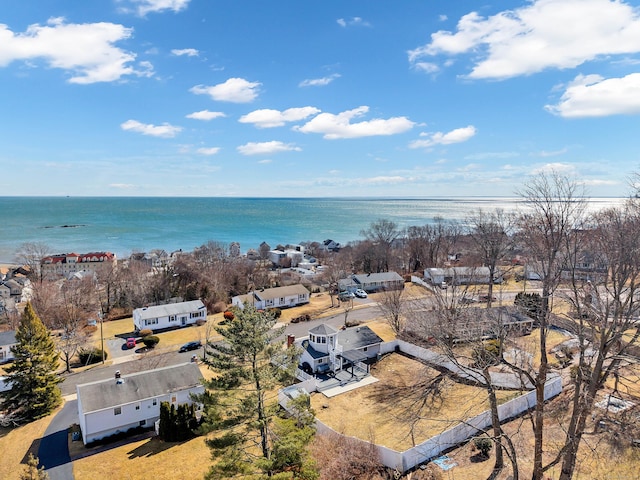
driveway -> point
(54, 451)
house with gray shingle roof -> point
(107, 407)
(279, 297)
(7, 340)
(171, 315)
(327, 349)
(372, 282)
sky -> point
(290, 98)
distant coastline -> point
(132, 224)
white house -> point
(328, 349)
(279, 297)
(7, 340)
(171, 315)
(460, 275)
(107, 407)
(372, 282)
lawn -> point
(392, 412)
(148, 458)
(15, 445)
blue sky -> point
(316, 98)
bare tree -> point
(390, 304)
(606, 310)
(381, 234)
(490, 232)
(554, 210)
(77, 301)
(30, 254)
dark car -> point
(485, 298)
(190, 346)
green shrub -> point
(484, 444)
(150, 341)
(91, 355)
(145, 332)
(277, 313)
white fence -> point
(404, 461)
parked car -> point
(485, 298)
(187, 347)
(360, 293)
(346, 295)
(131, 342)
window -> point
(155, 402)
(138, 407)
(117, 410)
(312, 338)
(142, 422)
(151, 321)
(365, 349)
(281, 300)
(172, 318)
(302, 297)
(322, 339)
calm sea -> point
(124, 225)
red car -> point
(131, 342)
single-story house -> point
(460, 275)
(170, 315)
(278, 297)
(372, 282)
(328, 349)
(472, 323)
(7, 340)
(107, 407)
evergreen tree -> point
(241, 403)
(34, 384)
(32, 472)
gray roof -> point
(277, 292)
(138, 386)
(357, 337)
(377, 277)
(8, 338)
(323, 329)
(169, 309)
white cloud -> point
(552, 153)
(205, 115)
(537, 36)
(489, 155)
(265, 161)
(340, 126)
(427, 67)
(353, 22)
(165, 130)
(267, 118)
(235, 90)
(208, 151)
(594, 96)
(267, 148)
(319, 82)
(560, 168)
(121, 185)
(152, 6)
(189, 52)
(86, 50)
(458, 135)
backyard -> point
(408, 405)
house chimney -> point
(290, 340)
(117, 374)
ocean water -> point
(133, 224)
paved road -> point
(54, 452)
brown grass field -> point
(392, 411)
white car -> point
(361, 293)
